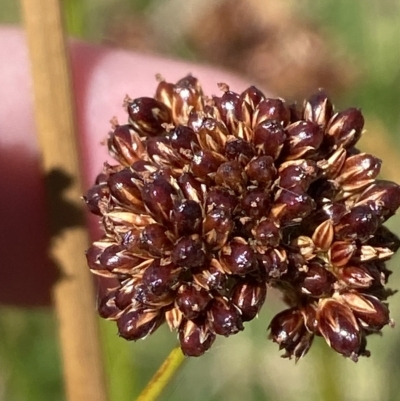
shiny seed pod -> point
(273, 261)
(148, 116)
(373, 313)
(158, 196)
(249, 296)
(195, 338)
(205, 163)
(341, 252)
(385, 195)
(345, 128)
(97, 198)
(297, 175)
(125, 296)
(360, 223)
(221, 198)
(267, 233)
(317, 281)
(187, 217)
(256, 203)
(115, 259)
(192, 300)
(162, 154)
(229, 107)
(164, 93)
(137, 324)
(124, 145)
(160, 277)
(124, 190)
(355, 277)
(261, 170)
(189, 252)
(106, 306)
(213, 135)
(358, 171)
(217, 227)
(211, 277)
(288, 331)
(291, 208)
(239, 150)
(339, 327)
(252, 96)
(268, 138)
(155, 241)
(271, 109)
(231, 175)
(191, 188)
(237, 257)
(318, 109)
(335, 211)
(183, 139)
(187, 96)
(304, 139)
(224, 317)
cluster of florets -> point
(214, 199)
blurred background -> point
(351, 48)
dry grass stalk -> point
(73, 293)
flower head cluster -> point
(214, 199)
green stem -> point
(162, 377)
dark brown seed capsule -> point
(183, 139)
(189, 252)
(256, 203)
(317, 281)
(217, 227)
(271, 109)
(164, 93)
(115, 259)
(370, 310)
(125, 145)
(291, 208)
(162, 154)
(148, 115)
(212, 277)
(106, 306)
(96, 198)
(125, 191)
(288, 331)
(195, 338)
(239, 150)
(297, 175)
(345, 128)
(205, 163)
(252, 96)
(318, 109)
(220, 198)
(358, 171)
(154, 240)
(267, 233)
(355, 276)
(360, 223)
(273, 261)
(261, 170)
(192, 300)
(137, 324)
(223, 317)
(385, 195)
(237, 257)
(268, 138)
(305, 138)
(212, 135)
(187, 217)
(232, 176)
(341, 252)
(229, 107)
(249, 296)
(125, 295)
(158, 196)
(339, 327)
(190, 187)
(335, 211)
(160, 277)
